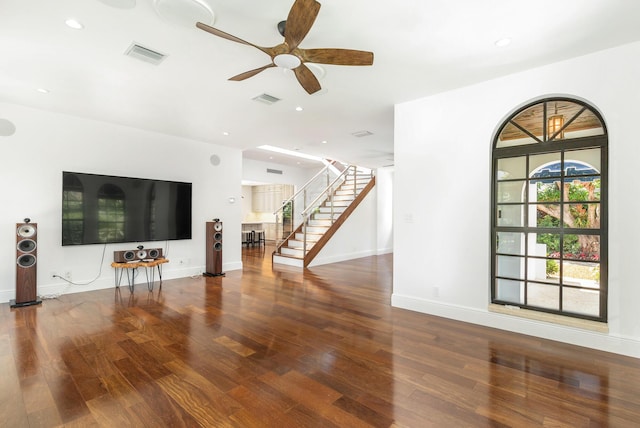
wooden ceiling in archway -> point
(532, 119)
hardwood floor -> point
(279, 348)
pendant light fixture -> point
(555, 124)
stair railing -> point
(320, 196)
(328, 196)
(287, 217)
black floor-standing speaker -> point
(26, 265)
(214, 248)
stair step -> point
(359, 182)
(319, 222)
(343, 197)
(337, 204)
(317, 230)
(311, 237)
(325, 216)
(327, 210)
(294, 252)
(298, 244)
(344, 192)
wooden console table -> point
(130, 269)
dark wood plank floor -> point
(279, 348)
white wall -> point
(45, 144)
(255, 171)
(369, 229)
(442, 231)
(357, 237)
(384, 191)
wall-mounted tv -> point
(99, 209)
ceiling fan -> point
(288, 55)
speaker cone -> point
(26, 231)
(142, 254)
(129, 255)
(217, 236)
(217, 246)
(26, 260)
(154, 253)
(27, 245)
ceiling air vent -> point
(274, 171)
(360, 134)
(266, 99)
(144, 54)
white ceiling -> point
(421, 47)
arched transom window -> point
(549, 210)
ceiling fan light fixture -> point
(74, 23)
(287, 61)
(503, 42)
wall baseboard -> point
(108, 281)
(546, 330)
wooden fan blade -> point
(301, 17)
(250, 73)
(307, 79)
(228, 36)
(336, 56)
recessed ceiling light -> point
(43, 90)
(505, 41)
(324, 142)
(225, 133)
(73, 23)
(299, 108)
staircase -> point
(320, 219)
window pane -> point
(510, 267)
(545, 165)
(585, 189)
(542, 270)
(510, 191)
(546, 215)
(581, 247)
(510, 291)
(531, 120)
(578, 124)
(546, 191)
(510, 243)
(511, 135)
(585, 125)
(510, 215)
(581, 301)
(511, 168)
(544, 245)
(543, 296)
(582, 162)
(582, 216)
(581, 274)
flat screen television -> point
(99, 209)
